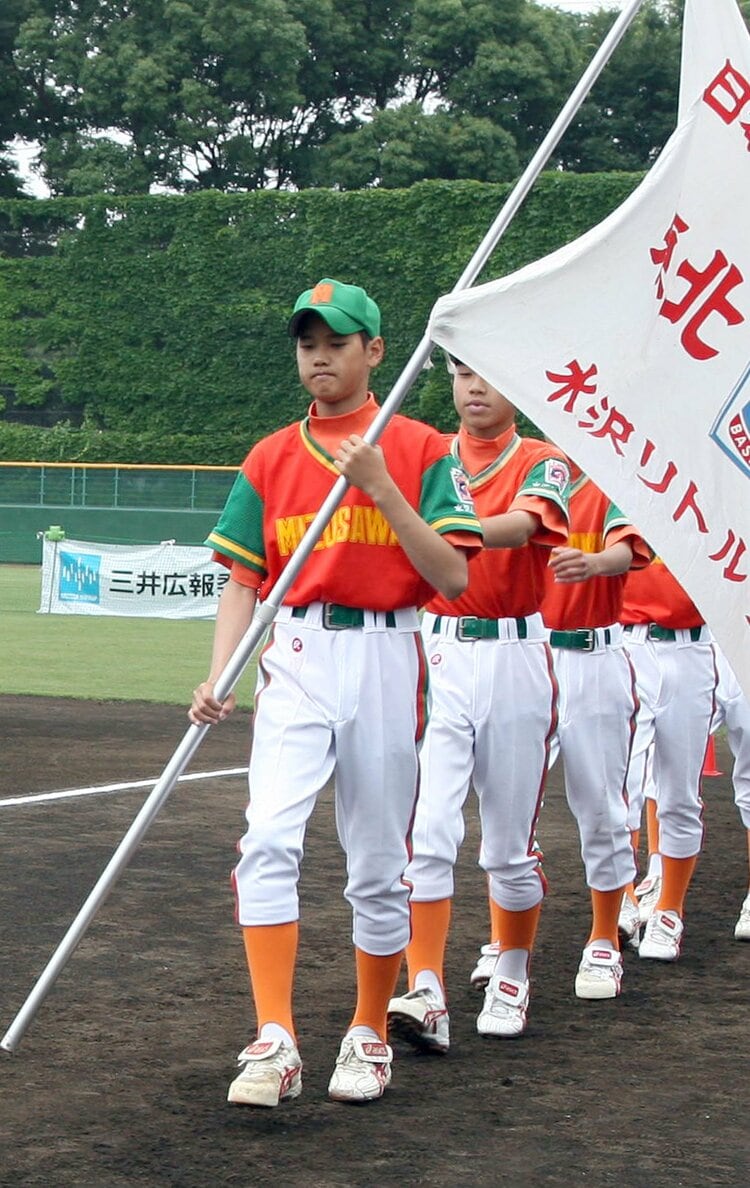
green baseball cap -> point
(346, 308)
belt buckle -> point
(588, 636)
(656, 633)
(462, 633)
(329, 609)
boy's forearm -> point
(510, 530)
(233, 617)
(573, 565)
(613, 561)
(436, 559)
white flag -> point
(630, 347)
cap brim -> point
(339, 322)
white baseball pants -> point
(597, 708)
(676, 685)
(733, 711)
(492, 712)
(351, 702)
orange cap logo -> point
(321, 294)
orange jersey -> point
(524, 474)
(653, 595)
(595, 524)
(358, 560)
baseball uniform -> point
(494, 695)
(675, 666)
(596, 719)
(341, 681)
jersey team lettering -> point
(356, 524)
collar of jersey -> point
(478, 480)
(318, 451)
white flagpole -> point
(266, 613)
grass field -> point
(100, 658)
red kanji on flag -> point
(728, 93)
(606, 422)
(663, 256)
(577, 382)
(716, 301)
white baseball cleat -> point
(629, 923)
(485, 966)
(742, 927)
(647, 893)
(421, 1018)
(504, 1011)
(662, 937)
(363, 1070)
(599, 974)
(271, 1072)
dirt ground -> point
(121, 1078)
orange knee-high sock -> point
(429, 933)
(605, 908)
(652, 826)
(676, 876)
(271, 951)
(376, 985)
(514, 930)
(635, 841)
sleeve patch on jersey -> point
(461, 487)
(556, 474)
(445, 498)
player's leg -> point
(597, 720)
(377, 731)
(515, 722)
(640, 767)
(734, 711)
(682, 732)
(649, 889)
(446, 760)
(292, 757)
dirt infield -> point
(122, 1077)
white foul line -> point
(45, 796)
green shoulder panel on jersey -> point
(239, 532)
(445, 500)
(549, 479)
(615, 519)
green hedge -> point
(155, 326)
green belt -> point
(583, 640)
(469, 627)
(338, 618)
(667, 634)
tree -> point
(632, 110)
(482, 82)
(130, 95)
(10, 96)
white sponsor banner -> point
(630, 348)
(164, 581)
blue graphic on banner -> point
(79, 577)
(731, 430)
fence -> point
(111, 503)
